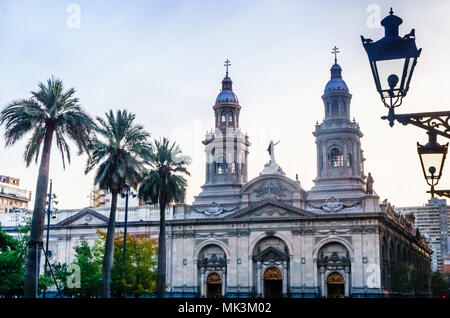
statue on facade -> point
(271, 150)
(369, 184)
(272, 167)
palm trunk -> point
(161, 276)
(109, 249)
(38, 219)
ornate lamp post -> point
(392, 61)
(51, 198)
(127, 192)
(432, 157)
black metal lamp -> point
(432, 157)
(392, 61)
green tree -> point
(439, 285)
(163, 184)
(89, 261)
(137, 275)
(120, 150)
(50, 113)
(11, 277)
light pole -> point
(50, 198)
(392, 61)
(126, 194)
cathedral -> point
(268, 236)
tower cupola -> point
(226, 107)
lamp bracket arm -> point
(437, 122)
(441, 193)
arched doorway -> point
(212, 271)
(213, 286)
(273, 283)
(334, 270)
(335, 285)
(271, 268)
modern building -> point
(433, 221)
(12, 197)
(267, 236)
(446, 264)
(102, 199)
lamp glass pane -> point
(432, 160)
(408, 74)
(388, 67)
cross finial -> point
(227, 63)
(335, 52)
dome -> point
(336, 82)
(227, 95)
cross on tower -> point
(227, 63)
(335, 52)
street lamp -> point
(51, 198)
(392, 61)
(432, 158)
(126, 195)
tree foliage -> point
(12, 263)
(137, 275)
(163, 184)
(120, 150)
(440, 285)
(51, 113)
(134, 279)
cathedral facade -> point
(268, 236)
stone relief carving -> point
(334, 262)
(317, 239)
(333, 205)
(271, 190)
(212, 261)
(270, 211)
(214, 209)
(200, 241)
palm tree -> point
(119, 150)
(51, 112)
(163, 184)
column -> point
(347, 282)
(322, 281)
(356, 158)
(259, 279)
(224, 282)
(285, 278)
(202, 282)
(324, 158)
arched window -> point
(335, 158)
(223, 117)
(230, 117)
(328, 108)
(349, 160)
(335, 108)
(344, 108)
(221, 168)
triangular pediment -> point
(271, 253)
(87, 216)
(270, 209)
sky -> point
(163, 61)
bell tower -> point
(340, 160)
(226, 150)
